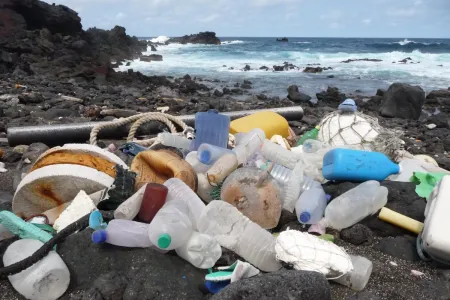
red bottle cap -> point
(154, 198)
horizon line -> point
(316, 37)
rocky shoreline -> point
(51, 71)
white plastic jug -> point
(311, 205)
(354, 205)
(359, 277)
(48, 279)
(201, 250)
(237, 233)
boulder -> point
(436, 94)
(331, 95)
(361, 59)
(284, 284)
(315, 69)
(151, 57)
(206, 37)
(403, 101)
(296, 96)
(357, 234)
(247, 68)
(264, 68)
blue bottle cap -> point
(99, 236)
(96, 220)
(205, 156)
(305, 217)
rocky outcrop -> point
(285, 39)
(152, 57)
(403, 101)
(361, 59)
(316, 69)
(331, 95)
(285, 67)
(206, 37)
(296, 96)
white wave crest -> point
(302, 42)
(232, 42)
(160, 39)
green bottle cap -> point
(164, 241)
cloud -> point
(401, 12)
(332, 15)
(366, 21)
(263, 3)
(209, 18)
(335, 25)
(120, 16)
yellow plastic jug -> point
(270, 122)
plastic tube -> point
(400, 220)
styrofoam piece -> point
(435, 236)
(129, 209)
(80, 206)
(51, 186)
(201, 250)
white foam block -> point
(78, 208)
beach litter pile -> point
(224, 186)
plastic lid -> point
(205, 156)
(305, 217)
(99, 236)
(164, 241)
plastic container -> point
(48, 279)
(198, 167)
(359, 277)
(209, 154)
(310, 135)
(354, 205)
(279, 155)
(311, 205)
(357, 165)
(312, 146)
(173, 140)
(154, 198)
(211, 128)
(249, 144)
(237, 233)
(201, 250)
(24, 230)
(171, 227)
(280, 173)
(124, 233)
(269, 122)
(407, 169)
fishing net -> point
(359, 131)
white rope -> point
(138, 120)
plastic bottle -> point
(408, 167)
(359, 277)
(171, 227)
(211, 128)
(198, 167)
(48, 279)
(173, 140)
(124, 233)
(312, 146)
(354, 205)
(280, 173)
(154, 198)
(279, 155)
(201, 250)
(310, 135)
(311, 205)
(249, 144)
(208, 154)
(237, 233)
(357, 165)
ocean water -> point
(214, 62)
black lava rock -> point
(357, 234)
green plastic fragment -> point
(23, 229)
(426, 182)
(327, 237)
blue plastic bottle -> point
(357, 165)
(211, 128)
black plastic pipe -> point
(60, 134)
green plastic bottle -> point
(310, 135)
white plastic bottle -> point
(171, 226)
(354, 205)
(208, 154)
(359, 277)
(201, 250)
(311, 205)
(279, 155)
(48, 279)
(249, 144)
(198, 167)
(280, 173)
(173, 140)
(237, 233)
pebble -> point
(431, 126)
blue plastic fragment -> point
(348, 105)
(96, 221)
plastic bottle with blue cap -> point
(208, 154)
(311, 205)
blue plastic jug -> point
(356, 165)
(211, 128)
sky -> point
(269, 18)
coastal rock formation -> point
(206, 37)
(285, 67)
(296, 96)
(403, 101)
(331, 95)
(361, 59)
(152, 57)
(285, 39)
(316, 69)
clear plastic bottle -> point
(208, 154)
(311, 205)
(280, 173)
(173, 140)
(48, 279)
(359, 277)
(279, 155)
(198, 167)
(355, 205)
(249, 144)
(237, 233)
(201, 250)
(311, 146)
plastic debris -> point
(96, 220)
(201, 250)
(426, 182)
(393, 263)
(310, 135)
(416, 273)
(24, 230)
(400, 220)
(269, 122)
(358, 278)
(237, 271)
(3, 168)
(78, 208)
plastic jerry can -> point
(435, 237)
(270, 122)
(211, 128)
(357, 165)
